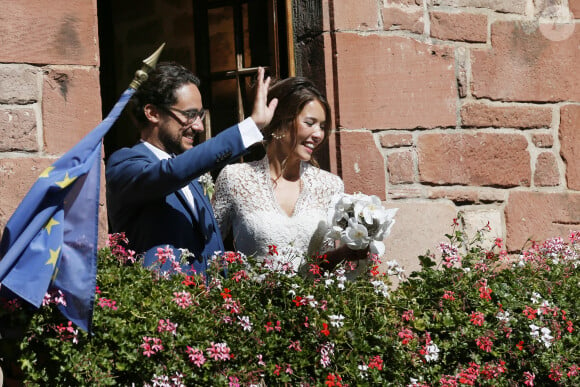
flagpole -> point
(149, 64)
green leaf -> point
(426, 262)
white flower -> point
(207, 183)
(393, 268)
(334, 232)
(360, 221)
(363, 371)
(292, 291)
(386, 222)
(340, 210)
(380, 288)
(432, 352)
(536, 297)
(326, 351)
(545, 304)
(503, 316)
(370, 209)
(311, 301)
(340, 278)
(245, 323)
(377, 247)
(328, 280)
(355, 235)
(287, 261)
(336, 320)
(546, 337)
(534, 333)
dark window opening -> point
(222, 41)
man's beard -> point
(173, 143)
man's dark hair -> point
(159, 89)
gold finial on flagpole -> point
(149, 64)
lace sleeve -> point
(223, 202)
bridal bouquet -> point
(361, 221)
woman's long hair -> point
(293, 94)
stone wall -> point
(458, 105)
(441, 106)
(49, 89)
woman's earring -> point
(278, 136)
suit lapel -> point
(205, 217)
(200, 199)
(186, 204)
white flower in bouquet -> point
(356, 236)
(361, 221)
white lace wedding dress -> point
(245, 205)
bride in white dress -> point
(283, 200)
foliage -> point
(473, 316)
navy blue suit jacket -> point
(145, 201)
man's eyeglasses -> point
(191, 116)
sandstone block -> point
(484, 115)
(479, 220)
(19, 84)
(538, 216)
(395, 140)
(483, 159)
(574, 7)
(17, 175)
(62, 32)
(456, 195)
(462, 63)
(381, 91)
(546, 174)
(492, 195)
(523, 65)
(69, 107)
(363, 165)
(356, 15)
(404, 192)
(398, 19)
(400, 167)
(463, 196)
(541, 140)
(18, 130)
(418, 227)
(513, 6)
(462, 27)
(405, 2)
(570, 144)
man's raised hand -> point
(263, 112)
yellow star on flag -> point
(53, 257)
(52, 222)
(46, 172)
(66, 181)
(54, 274)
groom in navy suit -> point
(153, 193)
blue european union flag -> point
(50, 242)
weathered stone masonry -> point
(440, 106)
